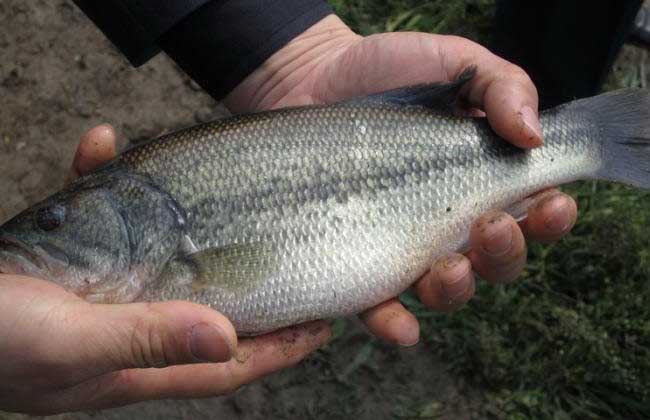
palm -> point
(382, 62)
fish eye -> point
(50, 218)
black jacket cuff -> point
(222, 43)
(217, 42)
(134, 26)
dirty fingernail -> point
(531, 122)
(208, 342)
(498, 236)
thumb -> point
(143, 335)
(97, 146)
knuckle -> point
(150, 344)
(514, 72)
(460, 42)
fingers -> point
(511, 107)
(254, 359)
(260, 356)
(143, 335)
(448, 285)
(503, 90)
(98, 146)
(392, 322)
(498, 247)
(551, 217)
(498, 254)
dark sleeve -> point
(217, 42)
(134, 26)
(551, 40)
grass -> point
(471, 19)
(571, 339)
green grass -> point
(471, 19)
(571, 339)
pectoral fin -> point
(233, 266)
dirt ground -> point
(58, 77)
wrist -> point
(282, 73)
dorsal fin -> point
(441, 96)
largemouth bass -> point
(285, 216)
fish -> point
(279, 217)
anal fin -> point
(518, 211)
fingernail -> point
(455, 271)
(559, 221)
(209, 343)
(498, 236)
(406, 331)
(531, 122)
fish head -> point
(77, 239)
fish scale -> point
(286, 216)
(355, 249)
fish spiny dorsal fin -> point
(440, 96)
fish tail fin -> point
(623, 118)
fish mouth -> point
(124, 291)
(18, 258)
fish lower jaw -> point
(16, 258)
(20, 266)
(117, 294)
(120, 291)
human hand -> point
(329, 63)
(61, 353)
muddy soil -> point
(58, 77)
